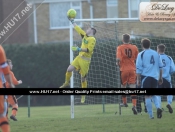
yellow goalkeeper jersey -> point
(87, 42)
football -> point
(71, 13)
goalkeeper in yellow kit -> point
(82, 61)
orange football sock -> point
(134, 100)
(14, 109)
(4, 124)
(124, 99)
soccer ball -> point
(71, 13)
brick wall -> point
(161, 29)
(45, 34)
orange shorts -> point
(12, 100)
(128, 77)
(3, 106)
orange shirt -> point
(14, 80)
(127, 53)
(3, 64)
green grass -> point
(90, 118)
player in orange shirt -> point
(126, 55)
(4, 69)
(11, 98)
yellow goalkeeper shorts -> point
(82, 64)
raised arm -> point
(77, 28)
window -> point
(133, 7)
(112, 8)
(58, 17)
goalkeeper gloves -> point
(71, 20)
(76, 48)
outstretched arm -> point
(77, 28)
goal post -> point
(71, 53)
(91, 20)
(103, 72)
(71, 81)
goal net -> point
(103, 72)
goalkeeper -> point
(82, 61)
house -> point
(51, 24)
(17, 28)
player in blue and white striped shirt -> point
(149, 74)
(168, 70)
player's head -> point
(161, 48)
(91, 31)
(9, 62)
(126, 38)
(146, 43)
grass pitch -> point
(90, 118)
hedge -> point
(41, 65)
(44, 66)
